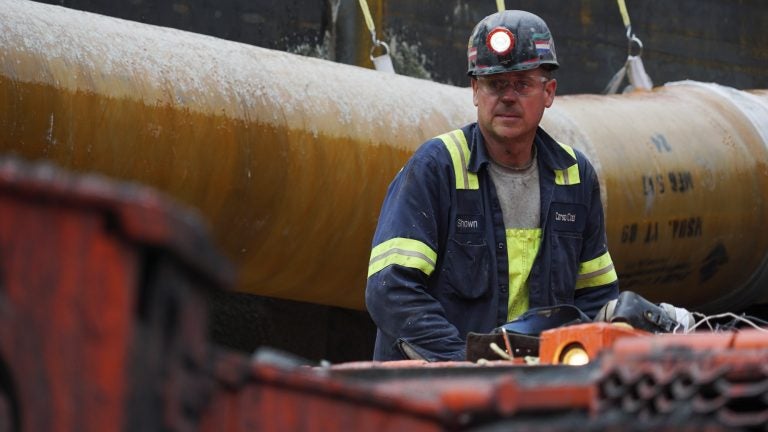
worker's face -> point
(510, 105)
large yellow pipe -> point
(685, 175)
(289, 157)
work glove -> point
(640, 313)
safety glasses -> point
(523, 86)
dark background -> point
(723, 41)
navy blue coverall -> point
(439, 265)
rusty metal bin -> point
(103, 321)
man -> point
(492, 219)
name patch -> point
(469, 223)
(568, 217)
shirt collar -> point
(549, 152)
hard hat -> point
(511, 40)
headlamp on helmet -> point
(510, 41)
(500, 41)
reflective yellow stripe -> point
(596, 272)
(522, 247)
(569, 176)
(457, 146)
(405, 252)
(569, 149)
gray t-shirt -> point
(519, 195)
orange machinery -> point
(103, 327)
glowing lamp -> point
(500, 41)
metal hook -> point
(631, 38)
(634, 39)
(382, 63)
(378, 43)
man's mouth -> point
(508, 115)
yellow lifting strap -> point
(500, 5)
(624, 15)
(633, 69)
(382, 63)
(368, 19)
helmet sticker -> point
(500, 40)
(542, 46)
(543, 42)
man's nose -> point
(509, 94)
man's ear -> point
(473, 81)
(549, 89)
